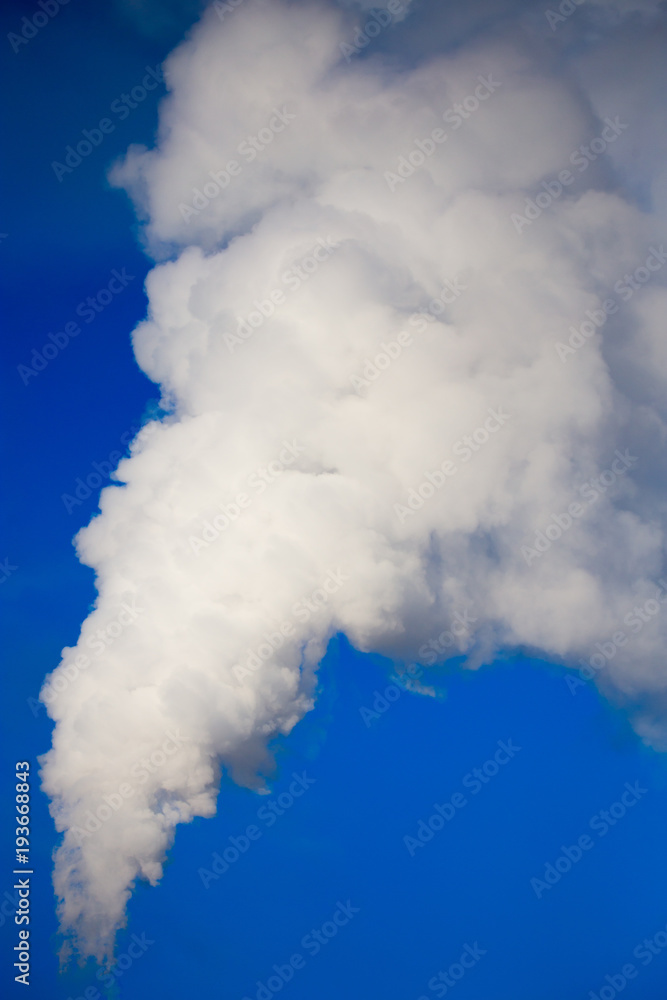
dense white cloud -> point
(372, 418)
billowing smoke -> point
(408, 326)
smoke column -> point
(413, 375)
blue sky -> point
(343, 840)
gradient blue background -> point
(344, 838)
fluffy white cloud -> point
(381, 413)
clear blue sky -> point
(344, 838)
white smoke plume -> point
(392, 362)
